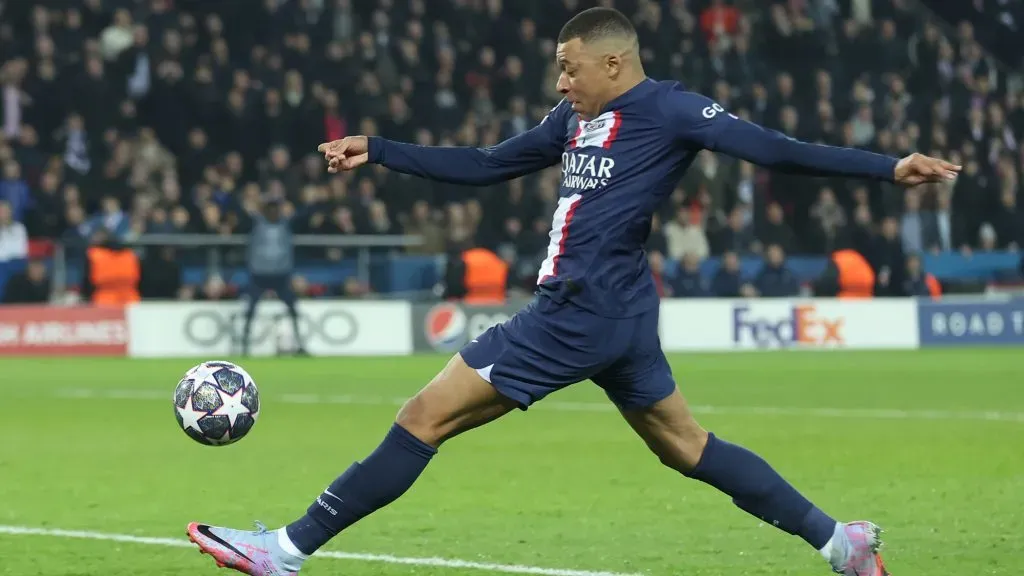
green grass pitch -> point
(929, 444)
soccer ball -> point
(216, 403)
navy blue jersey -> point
(616, 169)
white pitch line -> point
(382, 558)
(367, 400)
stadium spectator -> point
(689, 283)
(914, 228)
(14, 191)
(829, 221)
(1008, 221)
(112, 271)
(270, 262)
(944, 234)
(13, 237)
(917, 282)
(727, 282)
(215, 289)
(775, 280)
(111, 219)
(684, 235)
(167, 108)
(656, 260)
(29, 287)
(847, 274)
(776, 231)
(738, 233)
(161, 275)
(888, 259)
(988, 239)
(476, 274)
(421, 222)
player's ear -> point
(612, 65)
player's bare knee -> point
(686, 450)
(421, 419)
(456, 400)
(425, 414)
(678, 449)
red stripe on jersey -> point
(561, 243)
(614, 131)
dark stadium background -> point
(164, 122)
(170, 117)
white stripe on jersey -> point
(599, 132)
(559, 233)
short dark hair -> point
(595, 24)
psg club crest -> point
(445, 327)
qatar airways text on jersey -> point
(581, 171)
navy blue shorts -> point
(280, 284)
(548, 346)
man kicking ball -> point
(624, 141)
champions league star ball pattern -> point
(216, 403)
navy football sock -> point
(364, 488)
(759, 490)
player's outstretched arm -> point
(707, 124)
(528, 152)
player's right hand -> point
(348, 153)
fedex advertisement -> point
(767, 324)
(801, 325)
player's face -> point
(585, 77)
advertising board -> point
(448, 326)
(328, 328)
(972, 323)
(62, 331)
(815, 324)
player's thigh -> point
(456, 400)
(670, 431)
(642, 386)
(543, 348)
(640, 376)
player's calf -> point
(670, 430)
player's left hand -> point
(348, 153)
(920, 169)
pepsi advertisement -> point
(448, 326)
(981, 324)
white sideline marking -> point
(366, 400)
(384, 558)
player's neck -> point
(621, 86)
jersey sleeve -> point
(531, 151)
(699, 121)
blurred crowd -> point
(996, 24)
(176, 116)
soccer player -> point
(623, 140)
(270, 257)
